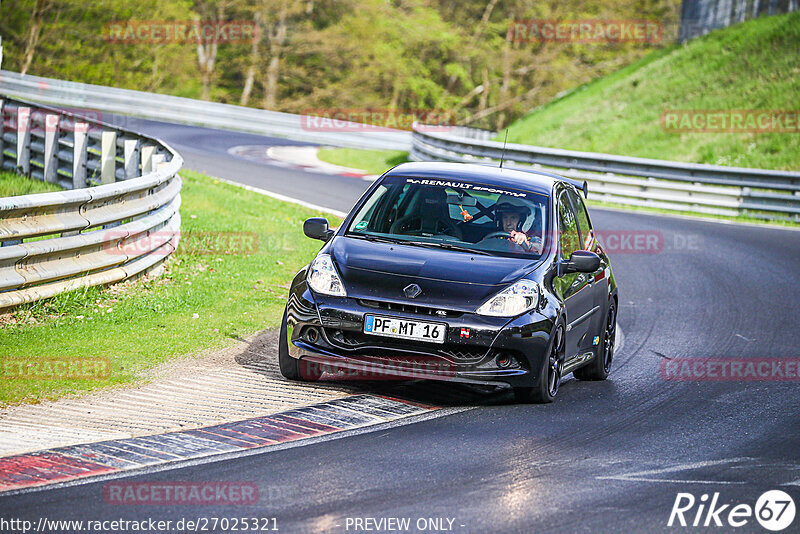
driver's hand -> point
(519, 237)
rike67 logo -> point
(774, 510)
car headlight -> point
(323, 278)
(513, 300)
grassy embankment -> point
(13, 184)
(749, 66)
(202, 301)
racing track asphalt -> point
(605, 457)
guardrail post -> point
(147, 153)
(108, 157)
(24, 141)
(131, 150)
(67, 258)
(79, 155)
(158, 160)
(51, 129)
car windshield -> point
(454, 215)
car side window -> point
(584, 223)
(568, 236)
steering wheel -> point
(497, 235)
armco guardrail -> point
(126, 224)
(712, 189)
(197, 112)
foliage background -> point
(317, 54)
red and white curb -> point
(75, 462)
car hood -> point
(448, 279)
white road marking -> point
(644, 476)
(278, 196)
(620, 339)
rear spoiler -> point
(580, 186)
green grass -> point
(749, 66)
(13, 185)
(372, 161)
(233, 295)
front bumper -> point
(326, 334)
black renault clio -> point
(456, 272)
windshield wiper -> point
(377, 238)
(447, 246)
(393, 240)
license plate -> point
(404, 328)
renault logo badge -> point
(412, 291)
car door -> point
(596, 280)
(575, 288)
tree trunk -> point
(277, 40)
(506, 85)
(37, 16)
(254, 58)
(206, 57)
(487, 13)
(395, 94)
(248, 85)
(485, 94)
(500, 107)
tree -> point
(34, 30)
(209, 11)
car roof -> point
(534, 181)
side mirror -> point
(581, 261)
(317, 228)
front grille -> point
(352, 340)
(466, 355)
(345, 338)
(410, 308)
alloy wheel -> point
(555, 363)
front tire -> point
(546, 387)
(290, 367)
(600, 366)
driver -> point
(510, 215)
